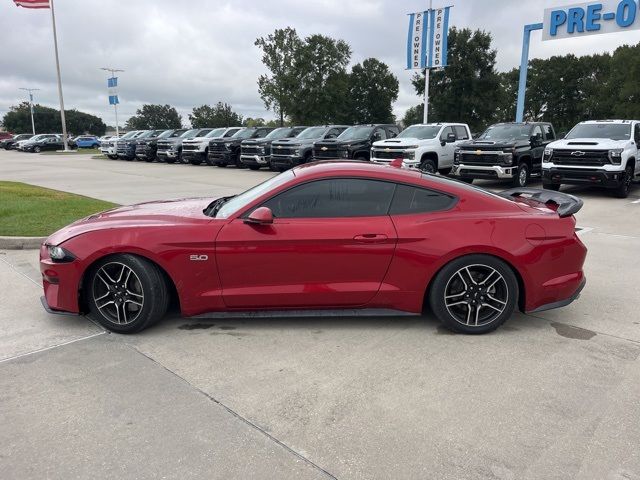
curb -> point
(21, 243)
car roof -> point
(608, 121)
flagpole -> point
(426, 77)
(55, 44)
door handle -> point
(370, 237)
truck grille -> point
(218, 148)
(163, 147)
(388, 155)
(588, 158)
(324, 151)
(473, 158)
(282, 151)
(186, 147)
(249, 150)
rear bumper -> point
(565, 301)
(581, 176)
(483, 171)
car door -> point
(445, 156)
(537, 147)
(330, 244)
(636, 139)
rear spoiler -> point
(566, 204)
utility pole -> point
(31, 90)
(115, 103)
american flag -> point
(32, 3)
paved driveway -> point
(551, 395)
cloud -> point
(194, 52)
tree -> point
(279, 51)
(47, 120)
(467, 89)
(413, 115)
(220, 115)
(320, 70)
(151, 117)
(372, 90)
(253, 122)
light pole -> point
(31, 90)
(115, 103)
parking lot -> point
(550, 395)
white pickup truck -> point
(429, 147)
(602, 153)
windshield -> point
(165, 134)
(22, 136)
(506, 132)
(129, 135)
(282, 132)
(240, 201)
(190, 133)
(421, 132)
(146, 134)
(613, 131)
(203, 133)
(353, 133)
(312, 132)
(215, 133)
(246, 133)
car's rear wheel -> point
(37, 149)
(126, 293)
(428, 165)
(474, 294)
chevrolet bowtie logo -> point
(279, 146)
(478, 152)
(387, 149)
(323, 148)
(577, 153)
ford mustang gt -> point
(350, 236)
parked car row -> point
(27, 142)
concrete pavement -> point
(550, 395)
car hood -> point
(159, 213)
(293, 142)
(404, 142)
(198, 140)
(589, 143)
(257, 141)
(492, 145)
(334, 142)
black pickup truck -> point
(146, 148)
(505, 151)
(226, 151)
(256, 153)
(354, 143)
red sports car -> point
(350, 236)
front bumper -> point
(582, 176)
(225, 158)
(490, 172)
(187, 154)
(255, 160)
(167, 154)
(285, 161)
(61, 284)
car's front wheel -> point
(622, 191)
(126, 293)
(37, 149)
(521, 178)
(474, 294)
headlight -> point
(297, 152)
(456, 157)
(616, 155)
(507, 158)
(344, 153)
(261, 150)
(59, 254)
(409, 154)
(548, 152)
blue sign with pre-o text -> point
(591, 18)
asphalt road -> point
(554, 395)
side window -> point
(537, 132)
(231, 132)
(548, 132)
(418, 200)
(393, 132)
(461, 133)
(204, 132)
(636, 133)
(261, 133)
(337, 197)
(333, 133)
(445, 131)
(378, 134)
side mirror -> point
(451, 137)
(260, 216)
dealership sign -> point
(591, 18)
(427, 39)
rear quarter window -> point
(409, 199)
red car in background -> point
(323, 236)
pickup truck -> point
(289, 152)
(596, 152)
(126, 149)
(354, 143)
(429, 147)
(146, 148)
(226, 151)
(195, 151)
(256, 153)
(169, 150)
(504, 151)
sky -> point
(192, 52)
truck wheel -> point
(551, 186)
(623, 190)
(445, 171)
(254, 167)
(522, 176)
(195, 161)
(428, 166)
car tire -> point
(551, 186)
(521, 178)
(474, 294)
(622, 191)
(170, 160)
(195, 161)
(37, 149)
(428, 165)
(361, 158)
(221, 165)
(126, 293)
(445, 171)
(112, 157)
